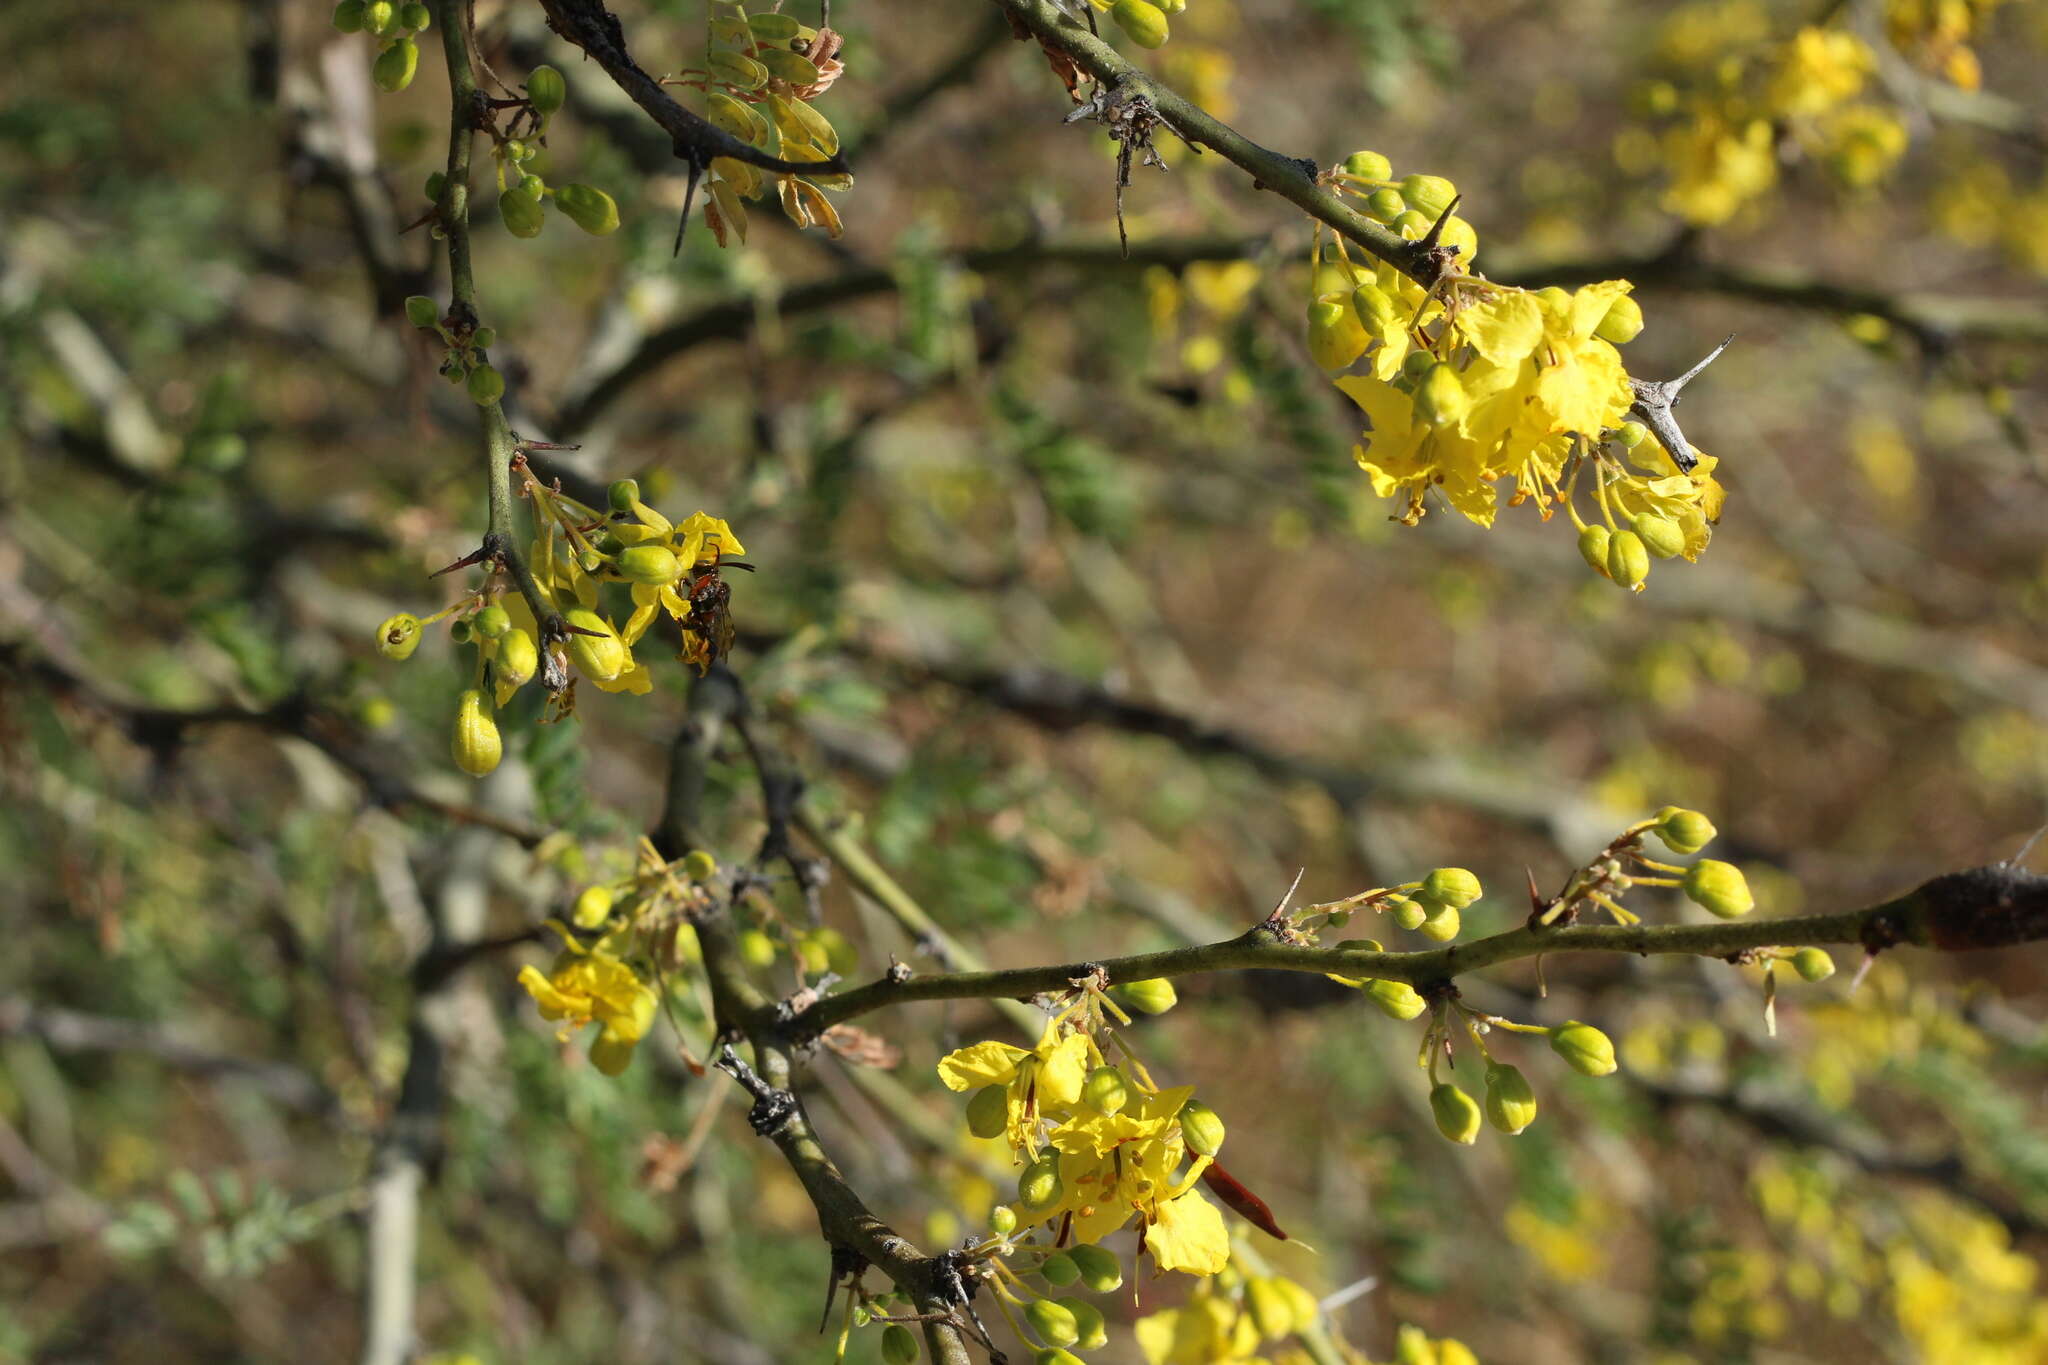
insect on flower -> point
(709, 629)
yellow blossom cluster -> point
(591, 985)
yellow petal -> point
(1504, 329)
(1062, 1072)
(1189, 1235)
(980, 1064)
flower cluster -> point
(394, 26)
(516, 147)
(761, 72)
(1142, 21)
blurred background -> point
(1073, 612)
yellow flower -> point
(591, 986)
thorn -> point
(2028, 847)
(1862, 971)
(1653, 404)
(689, 198)
(1436, 229)
(476, 556)
(1676, 384)
(1536, 902)
(1292, 887)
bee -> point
(708, 630)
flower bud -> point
(1105, 1090)
(1305, 1306)
(1368, 166)
(1683, 831)
(1631, 434)
(395, 65)
(1440, 399)
(415, 16)
(1335, 335)
(1813, 964)
(492, 622)
(1144, 23)
(756, 949)
(593, 907)
(988, 1113)
(623, 494)
(1039, 1189)
(1052, 1355)
(1593, 547)
(399, 636)
(1452, 886)
(483, 338)
(517, 659)
(476, 745)
(899, 1345)
(699, 866)
(589, 208)
(1462, 235)
(1417, 364)
(1087, 1321)
(1155, 996)
(1718, 888)
(486, 385)
(1428, 195)
(1585, 1049)
(1407, 913)
(546, 90)
(348, 16)
(1457, 1113)
(654, 565)
(1100, 1270)
(1623, 323)
(602, 656)
(523, 214)
(1628, 562)
(1661, 536)
(1059, 1270)
(1052, 1323)
(422, 311)
(1510, 1103)
(1441, 924)
(1002, 1220)
(1270, 1310)
(1396, 999)
(1386, 205)
(1201, 1128)
(380, 17)
(1375, 310)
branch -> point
(1292, 178)
(592, 27)
(1984, 907)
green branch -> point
(1985, 907)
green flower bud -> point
(1053, 1355)
(1631, 434)
(1271, 1312)
(1462, 235)
(486, 386)
(422, 311)
(1155, 996)
(839, 953)
(1100, 1270)
(654, 565)
(1039, 1189)
(483, 338)
(1088, 1321)
(522, 212)
(602, 656)
(1813, 964)
(414, 16)
(1457, 1113)
(380, 17)
(757, 950)
(588, 208)
(1052, 1323)
(399, 636)
(1452, 886)
(1417, 365)
(1306, 1308)
(1105, 1091)
(1368, 166)
(1510, 1103)
(1201, 1128)
(1428, 195)
(348, 16)
(1376, 311)
(459, 632)
(623, 494)
(1335, 335)
(395, 66)
(699, 866)
(546, 90)
(1396, 999)
(1059, 1270)
(1441, 923)
(1440, 399)
(593, 907)
(476, 744)
(988, 1113)
(1718, 888)
(1683, 831)
(1407, 913)
(1628, 562)
(1002, 1220)
(515, 150)
(492, 622)
(1623, 323)
(1144, 23)
(1586, 1049)
(1410, 225)
(899, 1345)
(1384, 206)
(517, 659)
(1555, 299)
(1593, 547)
(1661, 536)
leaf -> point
(801, 123)
(737, 70)
(789, 67)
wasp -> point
(708, 630)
